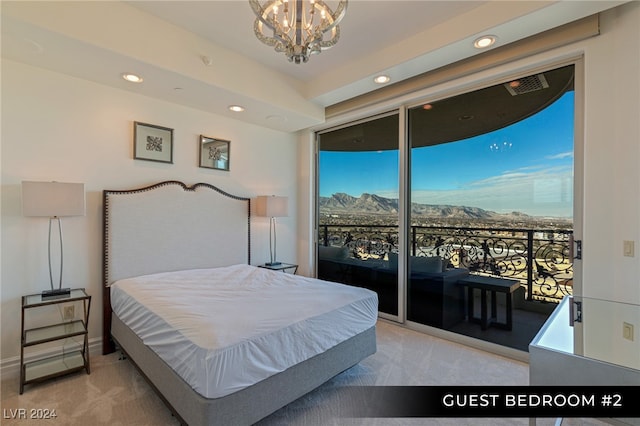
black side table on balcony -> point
(490, 285)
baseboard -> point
(10, 367)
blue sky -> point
(526, 167)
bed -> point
(177, 268)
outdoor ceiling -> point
(458, 117)
(204, 55)
(489, 109)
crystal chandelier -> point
(299, 26)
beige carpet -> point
(115, 394)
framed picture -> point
(152, 143)
(214, 153)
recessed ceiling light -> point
(236, 108)
(427, 107)
(133, 78)
(484, 41)
(382, 79)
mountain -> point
(368, 204)
(365, 204)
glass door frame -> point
(479, 79)
(400, 111)
(578, 180)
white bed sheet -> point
(225, 329)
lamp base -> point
(58, 293)
(273, 263)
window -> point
(490, 176)
(492, 194)
(358, 207)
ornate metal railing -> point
(540, 259)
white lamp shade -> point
(272, 206)
(53, 199)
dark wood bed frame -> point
(140, 213)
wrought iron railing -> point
(540, 259)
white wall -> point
(612, 156)
(612, 187)
(57, 127)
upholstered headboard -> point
(170, 226)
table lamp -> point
(271, 206)
(53, 200)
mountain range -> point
(371, 204)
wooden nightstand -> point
(281, 267)
(70, 326)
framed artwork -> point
(214, 153)
(152, 143)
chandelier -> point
(299, 27)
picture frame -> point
(214, 153)
(152, 143)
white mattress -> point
(224, 329)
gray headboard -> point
(170, 226)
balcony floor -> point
(526, 324)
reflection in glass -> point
(358, 207)
(214, 153)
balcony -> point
(541, 259)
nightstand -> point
(66, 362)
(281, 267)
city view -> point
(534, 250)
(370, 209)
(500, 203)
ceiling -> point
(204, 55)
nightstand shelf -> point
(50, 333)
(53, 366)
(66, 362)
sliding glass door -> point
(492, 198)
(358, 207)
(488, 196)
